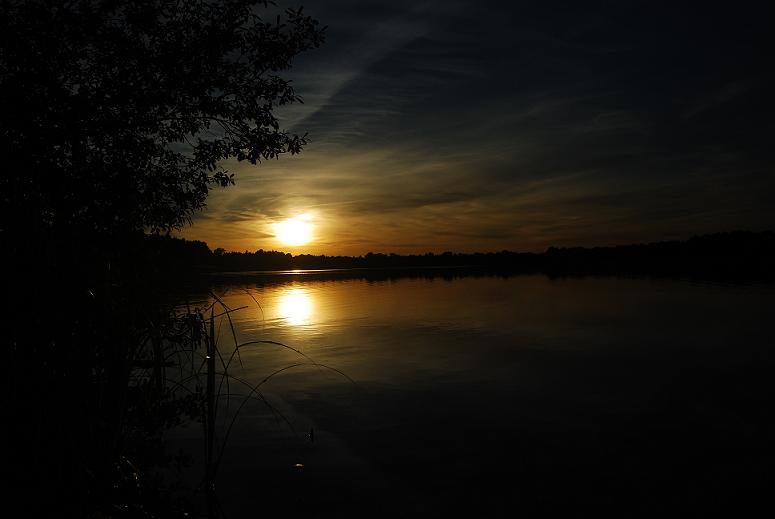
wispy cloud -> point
(463, 126)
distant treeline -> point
(738, 254)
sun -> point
(294, 231)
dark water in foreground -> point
(500, 397)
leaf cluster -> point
(118, 115)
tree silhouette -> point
(124, 111)
(116, 119)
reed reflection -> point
(295, 306)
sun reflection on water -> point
(295, 306)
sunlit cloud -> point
(458, 134)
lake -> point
(494, 396)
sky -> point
(483, 126)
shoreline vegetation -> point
(733, 255)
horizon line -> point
(447, 252)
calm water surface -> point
(495, 396)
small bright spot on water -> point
(295, 306)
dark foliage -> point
(116, 119)
(740, 254)
(125, 110)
